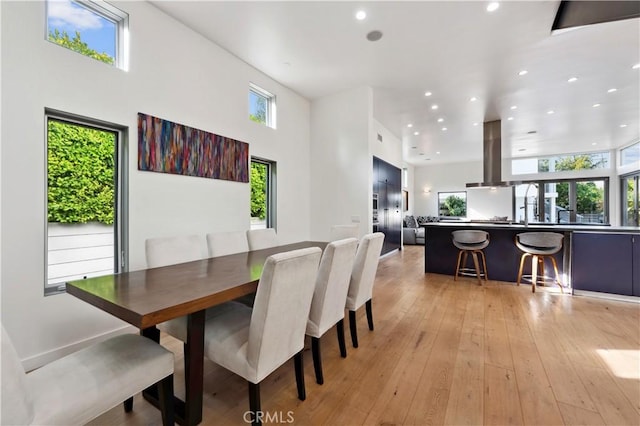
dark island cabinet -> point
(387, 185)
(607, 263)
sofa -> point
(411, 233)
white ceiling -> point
(456, 50)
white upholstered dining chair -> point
(329, 296)
(254, 343)
(224, 243)
(362, 279)
(262, 238)
(340, 232)
(81, 386)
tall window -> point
(84, 211)
(630, 186)
(452, 204)
(263, 190)
(92, 28)
(262, 106)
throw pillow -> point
(411, 221)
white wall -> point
(175, 74)
(341, 165)
(410, 188)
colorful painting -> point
(167, 147)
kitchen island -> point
(594, 258)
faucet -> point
(526, 204)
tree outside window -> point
(452, 204)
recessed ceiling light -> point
(594, 143)
(623, 125)
(613, 89)
(437, 152)
(409, 125)
(523, 72)
(550, 111)
(596, 105)
(475, 124)
(509, 118)
(636, 66)
(572, 79)
(514, 107)
(493, 6)
(428, 93)
(434, 106)
(416, 133)
(360, 15)
(440, 120)
(473, 99)
(444, 129)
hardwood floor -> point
(446, 352)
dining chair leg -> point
(128, 405)
(317, 359)
(353, 328)
(369, 314)
(165, 393)
(341, 343)
(254, 403)
(299, 367)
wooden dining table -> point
(148, 297)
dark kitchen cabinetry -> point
(608, 263)
(387, 186)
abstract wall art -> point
(168, 147)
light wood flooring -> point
(446, 352)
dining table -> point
(145, 298)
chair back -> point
(166, 251)
(224, 243)
(262, 238)
(17, 405)
(364, 270)
(540, 240)
(470, 239)
(281, 309)
(332, 285)
(340, 232)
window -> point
(263, 185)
(630, 186)
(92, 28)
(262, 106)
(452, 204)
(563, 201)
(596, 160)
(630, 154)
(84, 200)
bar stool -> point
(471, 242)
(540, 246)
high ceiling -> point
(456, 50)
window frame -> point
(466, 212)
(572, 196)
(608, 165)
(270, 108)
(121, 212)
(110, 13)
(622, 150)
(271, 219)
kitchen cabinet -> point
(387, 184)
(607, 263)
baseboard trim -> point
(607, 296)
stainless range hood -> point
(492, 158)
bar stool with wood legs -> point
(540, 246)
(471, 242)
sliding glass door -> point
(630, 200)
